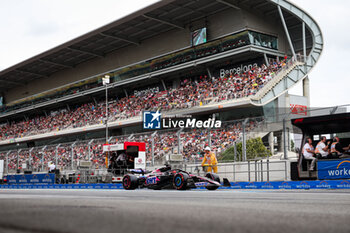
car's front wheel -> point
(180, 181)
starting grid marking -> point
(318, 184)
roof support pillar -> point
(95, 101)
(331, 112)
(163, 84)
(125, 92)
(286, 30)
(304, 41)
(306, 90)
(266, 60)
(209, 73)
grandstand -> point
(229, 58)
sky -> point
(29, 27)
(329, 83)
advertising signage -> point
(333, 169)
(43, 179)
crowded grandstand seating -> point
(220, 45)
(192, 141)
(192, 92)
(146, 67)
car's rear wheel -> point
(130, 182)
(214, 177)
(180, 181)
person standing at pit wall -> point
(210, 160)
(52, 167)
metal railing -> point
(252, 170)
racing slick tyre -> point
(130, 182)
(180, 181)
(214, 177)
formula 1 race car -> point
(167, 178)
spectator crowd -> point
(192, 92)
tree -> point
(255, 148)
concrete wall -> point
(219, 25)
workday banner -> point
(44, 179)
(334, 169)
(284, 185)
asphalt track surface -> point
(174, 211)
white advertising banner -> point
(114, 147)
(140, 162)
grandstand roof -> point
(131, 30)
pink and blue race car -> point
(167, 178)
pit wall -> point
(273, 185)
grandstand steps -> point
(281, 75)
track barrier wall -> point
(273, 185)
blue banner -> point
(313, 184)
(63, 186)
(43, 179)
(304, 184)
(333, 169)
